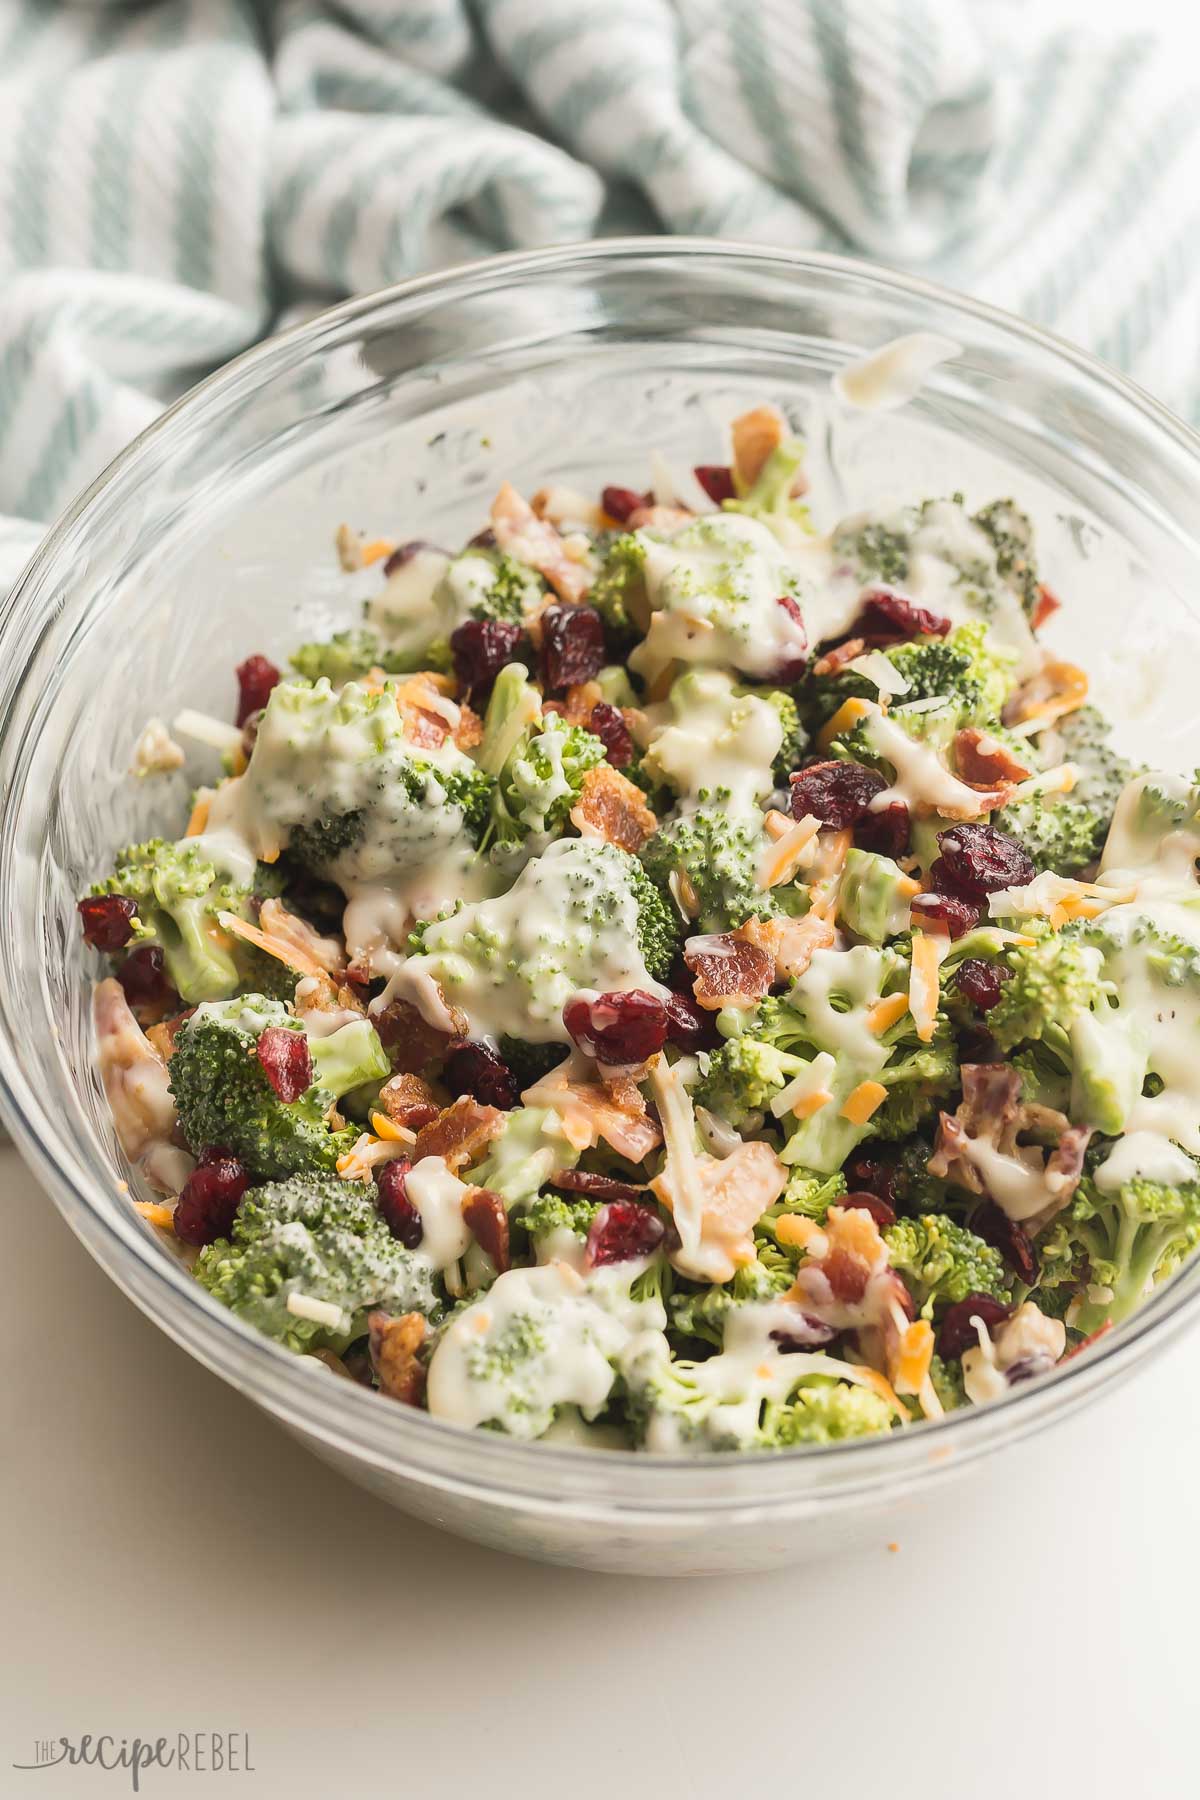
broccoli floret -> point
(810, 1194)
(1122, 1242)
(488, 584)
(619, 590)
(313, 1239)
(769, 496)
(1061, 835)
(346, 656)
(879, 550)
(795, 736)
(714, 719)
(530, 1151)
(709, 861)
(947, 1380)
(742, 1077)
(1011, 533)
(551, 1213)
(1157, 820)
(225, 1099)
(657, 930)
(703, 1313)
(179, 890)
(823, 1412)
(917, 1083)
(965, 666)
(1052, 980)
(539, 783)
(875, 896)
(1082, 738)
(943, 1262)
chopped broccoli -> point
(539, 783)
(619, 590)
(1011, 534)
(530, 1151)
(1052, 980)
(1082, 738)
(225, 1099)
(875, 896)
(1064, 836)
(703, 1313)
(179, 889)
(769, 496)
(823, 1412)
(712, 719)
(346, 656)
(713, 857)
(943, 1262)
(488, 584)
(313, 1238)
(1121, 1242)
(550, 1214)
(742, 1078)
(879, 550)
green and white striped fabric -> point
(178, 177)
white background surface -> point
(173, 1562)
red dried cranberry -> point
(481, 648)
(572, 646)
(977, 859)
(391, 1195)
(885, 831)
(977, 1045)
(256, 677)
(792, 667)
(107, 920)
(601, 1187)
(286, 1061)
(809, 1334)
(870, 1175)
(607, 724)
(883, 1214)
(143, 976)
(621, 1230)
(210, 1198)
(953, 914)
(478, 1070)
(993, 1225)
(836, 793)
(980, 982)
(619, 502)
(957, 1333)
(717, 481)
(404, 553)
(890, 618)
(689, 1026)
(617, 1028)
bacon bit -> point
(782, 862)
(459, 1132)
(847, 714)
(839, 656)
(389, 1131)
(395, 1346)
(982, 761)
(198, 817)
(424, 729)
(755, 435)
(927, 953)
(163, 1035)
(410, 1041)
(801, 1233)
(991, 1113)
(408, 1100)
(910, 1366)
(1058, 688)
(287, 928)
(865, 1100)
(566, 506)
(659, 518)
(484, 1213)
(590, 1111)
(290, 954)
(612, 808)
(729, 970)
(789, 943)
(735, 1191)
(536, 542)
(885, 1013)
(1047, 605)
(155, 1213)
(577, 704)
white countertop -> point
(173, 1562)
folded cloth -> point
(179, 176)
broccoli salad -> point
(671, 978)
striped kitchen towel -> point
(178, 176)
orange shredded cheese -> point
(847, 714)
(777, 824)
(199, 818)
(801, 1232)
(1067, 690)
(923, 983)
(784, 859)
(913, 1357)
(884, 1013)
(155, 1213)
(386, 1128)
(374, 552)
(866, 1099)
(808, 1104)
(284, 953)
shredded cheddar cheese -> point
(386, 1128)
(847, 714)
(927, 953)
(155, 1213)
(199, 816)
(865, 1100)
(785, 857)
(885, 1013)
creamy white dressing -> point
(1134, 853)
(438, 1196)
(412, 609)
(922, 782)
(894, 374)
(709, 738)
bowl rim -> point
(342, 1415)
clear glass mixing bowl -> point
(212, 536)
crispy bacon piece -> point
(459, 1132)
(789, 943)
(735, 1191)
(409, 1100)
(395, 1346)
(591, 1110)
(729, 970)
(292, 932)
(846, 1282)
(163, 1035)
(659, 518)
(484, 1212)
(469, 730)
(611, 807)
(577, 704)
(318, 994)
(983, 761)
(992, 1115)
(135, 1082)
(839, 656)
(410, 1041)
(601, 1187)
(535, 542)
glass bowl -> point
(212, 536)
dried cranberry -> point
(602, 1187)
(957, 1333)
(391, 1195)
(870, 1175)
(792, 667)
(483, 540)
(689, 1027)
(607, 724)
(478, 1070)
(993, 1225)
(717, 481)
(144, 978)
(256, 678)
(617, 1028)
(210, 1198)
(286, 1061)
(809, 1334)
(836, 793)
(481, 648)
(572, 646)
(953, 914)
(107, 920)
(404, 553)
(619, 502)
(980, 982)
(621, 1230)
(882, 1213)
(977, 1045)
(889, 618)
(978, 860)
(886, 831)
